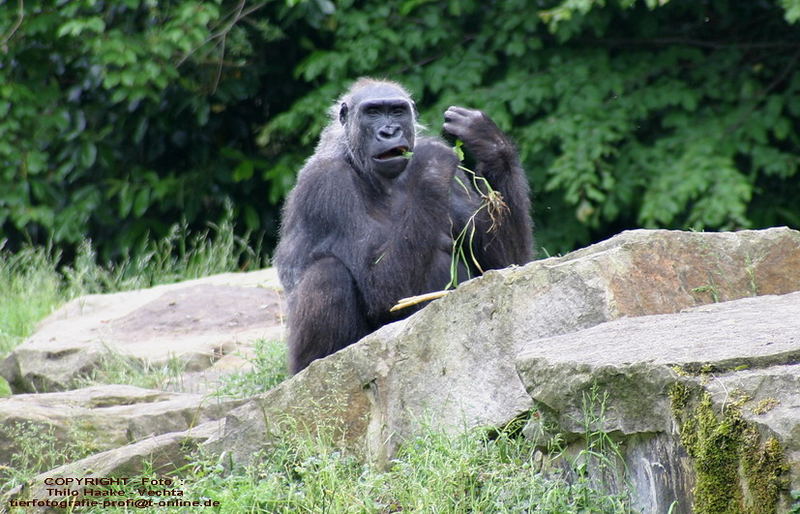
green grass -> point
(474, 472)
(116, 368)
(436, 472)
(269, 370)
(31, 287)
(477, 471)
(36, 448)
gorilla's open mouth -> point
(397, 151)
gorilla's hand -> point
(479, 133)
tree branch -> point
(772, 85)
(224, 42)
(238, 14)
(717, 45)
(15, 27)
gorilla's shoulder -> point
(433, 148)
(324, 167)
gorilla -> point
(375, 211)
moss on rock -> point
(734, 471)
(764, 467)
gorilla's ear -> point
(343, 114)
(414, 109)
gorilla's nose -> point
(388, 132)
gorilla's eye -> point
(372, 111)
(399, 111)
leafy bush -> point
(627, 114)
(119, 119)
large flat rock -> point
(642, 356)
(200, 323)
(744, 353)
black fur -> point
(353, 241)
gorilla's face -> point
(387, 129)
(381, 132)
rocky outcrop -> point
(655, 372)
(627, 323)
(452, 365)
(103, 417)
(201, 323)
(162, 454)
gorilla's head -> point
(379, 122)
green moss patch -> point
(735, 471)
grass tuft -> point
(115, 368)
(269, 370)
(36, 448)
(31, 288)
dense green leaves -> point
(118, 119)
(626, 113)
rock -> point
(516, 339)
(771, 404)
(198, 322)
(377, 392)
(451, 365)
(744, 354)
(104, 417)
(162, 454)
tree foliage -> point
(121, 118)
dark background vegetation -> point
(120, 119)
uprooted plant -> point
(463, 251)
